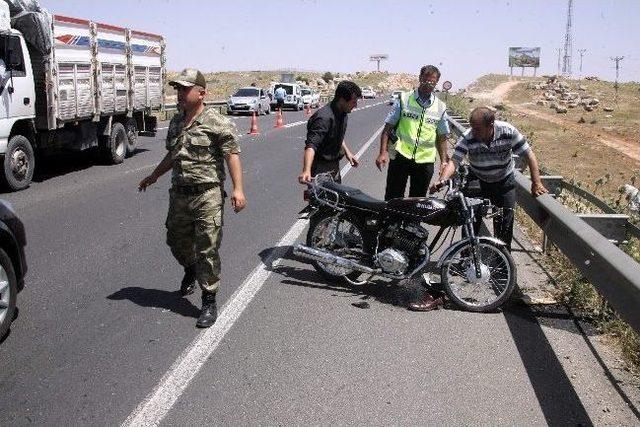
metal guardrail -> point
(613, 272)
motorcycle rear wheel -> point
(491, 290)
(349, 238)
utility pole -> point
(559, 58)
(617, 59)
(568, 40)
(581, 52)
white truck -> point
(68, 83)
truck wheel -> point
(115, 145)
(8, 293)
(19, 163)
(132, 136)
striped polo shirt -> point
(491, 162)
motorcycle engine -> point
(393, 261)
(403, 245)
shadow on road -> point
(558, 399)
(381, 290)
(157, 298)
(555, 393)
(63, 163)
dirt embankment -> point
(500, 95)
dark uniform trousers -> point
(323, 166)
(401, 169)
(502, 194)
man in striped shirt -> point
(489, 145)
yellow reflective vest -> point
(416, 129)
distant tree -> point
(327, 77)
(303, 79)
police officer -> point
(418, 119)
(198, 140)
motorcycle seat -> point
(355, 197)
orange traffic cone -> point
(279, 121)
(254, 125)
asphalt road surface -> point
(102, 337)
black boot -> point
(209, 312)
(188, 281)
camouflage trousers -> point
(194, 233)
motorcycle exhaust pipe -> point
(325, 257)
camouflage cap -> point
(189, 77)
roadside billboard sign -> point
(524, 57)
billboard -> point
(524, 57)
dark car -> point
(12, 263)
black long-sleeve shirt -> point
(325, 133)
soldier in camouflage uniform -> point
(198, 140)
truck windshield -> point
(247, 92)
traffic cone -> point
(279, 121)
(254, 125)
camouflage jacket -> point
(198, 150)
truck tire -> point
(115, 145)
(18, 164)
(132, 136)
(8, 293)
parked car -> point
(293, 99)
(249, 100)
(395, 95)
(310, 97)
(13, 266)
(368, 93)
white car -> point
(368, 93)
(310, 97)
(395, 95)
(249, 100)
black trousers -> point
(401, 169)
(322, 166)
(503, 195)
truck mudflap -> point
(150, 125)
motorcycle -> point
(355, 237)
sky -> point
(465, 39)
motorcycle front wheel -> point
(343, 237)
(485, 293)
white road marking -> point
(174, 382)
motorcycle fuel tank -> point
(429, 209)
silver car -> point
(249, 100)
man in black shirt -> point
(325, 144)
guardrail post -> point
(553, 183)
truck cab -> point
(17, 110)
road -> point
(101, 332)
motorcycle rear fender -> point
(444, 258)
